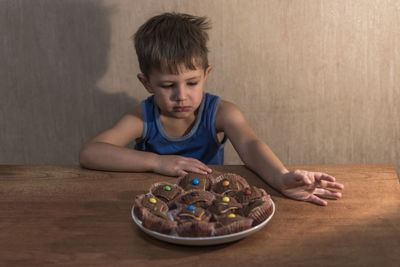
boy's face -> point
(177, 96)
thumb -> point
(306, 180)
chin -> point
(182, 115)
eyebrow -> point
(194, 78)
(189, 79)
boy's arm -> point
(252, 151)
(259, 157)
(107, 151)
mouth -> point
(181, 108)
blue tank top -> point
(200, 143)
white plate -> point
(202, 241)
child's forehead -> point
(184, 73)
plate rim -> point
(202, 240)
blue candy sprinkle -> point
(191, 208)
(195, 181)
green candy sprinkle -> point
(167, 188)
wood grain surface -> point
(68, 216)
(317, 80)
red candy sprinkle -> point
(248, 192)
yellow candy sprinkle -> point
(225, 183)
(152, 200)
(231, 215)
(225, 199)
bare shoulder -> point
(231, 120)
(226, 107)
(228, 114)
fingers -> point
(197, 167)
(302, 177)
(323, 176)
(173, 165)
(185, 165)
(325, 184)
(316, 200)
(310, 177)
(318, 185)
(327, 193)
(307, 180)
(196, 170)
(333, 185)
(327, 181)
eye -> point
(192, 83)
(166, 86)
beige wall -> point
(317, 80)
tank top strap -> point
(211, 107)
(148, 118)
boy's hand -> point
(172, 165)
(304, 185)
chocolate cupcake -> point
(197, 198)
(224, 204)
(258, 210)
(228, 183)
(195, 181)
(158, 221)
(193, 221)
(150, 203)
(231, 223)
(153, 213)
(249, 194)
(167, 192)
(191, 213)
(201, 206)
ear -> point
(143, 79)
(207, 71)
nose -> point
(180, 93)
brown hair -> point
(168, 40)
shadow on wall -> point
(52, 55)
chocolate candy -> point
(226, 199)
(167, 188)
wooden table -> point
(65, 215)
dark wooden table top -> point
(65, 215)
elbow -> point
(84, 157)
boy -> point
(181, 129)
